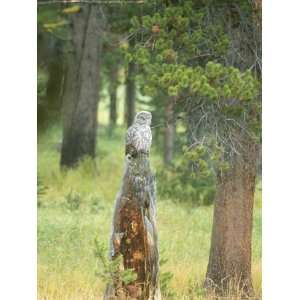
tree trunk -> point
(134, 233)
(81, 95)
(230, 253)
(54, 87)
(229, 267)
(130, 92)
(50, 59)
(113, 86)
(170, 131)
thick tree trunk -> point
(229, 266)
(130, 92)
(81, 95)
(134, 233)
(170, 131)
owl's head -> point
(143, 118)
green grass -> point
(66, 263)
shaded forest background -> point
(196, 65)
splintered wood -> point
(134, 233)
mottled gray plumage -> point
(139, 136)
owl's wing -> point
(131, 140)
(149, 135)
(130, 134)
(146, 139)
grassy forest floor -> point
(77, 207)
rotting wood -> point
(134, 231)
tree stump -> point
(134, 233)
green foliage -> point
(165, 279)
(73, 200)
(111, 271)
(215, 82)
(95, 204)
(190, 179)
(41, 190)
(53, 20)
(42, 79)
(183, 51)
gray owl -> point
(139, 136)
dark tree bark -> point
(81, 95)
(130, 92)
(56, 72)
(134, 233)
(50, 59)
(170, 131)
(229, 264)
(113, 86)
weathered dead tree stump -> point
(134, 233)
